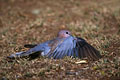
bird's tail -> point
(25, 54)
(16, 55)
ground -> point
(35, 21)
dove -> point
(63, 45)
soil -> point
(35, 21)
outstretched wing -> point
(65, 47)
(83, 49)
(76, 47)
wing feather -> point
(95, 52)
(76, 52)
(88, 53)
(63, 47)
(69, 52)
(81, 53)
(86, 50)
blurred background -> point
(35, 21)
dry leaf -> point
(81, 62)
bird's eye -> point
(66, 32)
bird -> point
(65, 44)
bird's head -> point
(64, 34)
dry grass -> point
(35, 21)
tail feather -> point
(24, 54)
(16, 55)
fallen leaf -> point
(81, 62)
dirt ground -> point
(35, 21)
